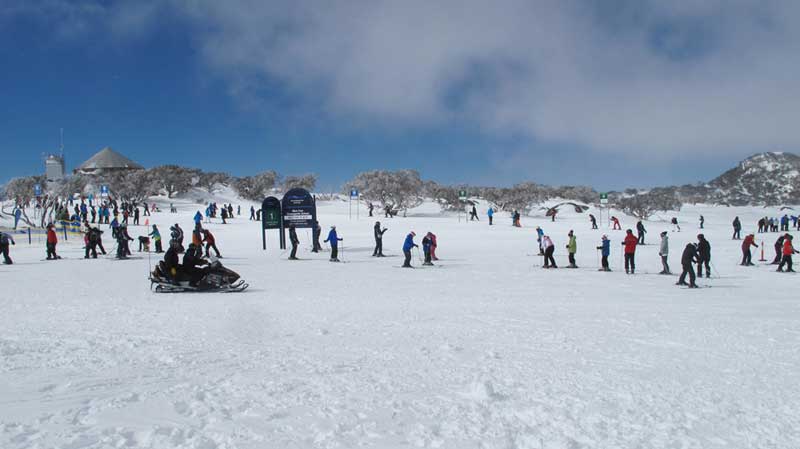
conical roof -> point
(107, 159)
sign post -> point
(37, 192)
(603, 203)
(298, 208)
(462, 197)
(271, 217)
(353, 195)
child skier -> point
(427, 242)
(52, 241)
(605, 250)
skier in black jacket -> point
(703, 255)
(737, 229)
(688, 258)
(641, 231)
(123, 250)
(316, 232)
(378, 252)
(294, 240)
(778, 250)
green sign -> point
(603, 196)
(462, 194)
(272, 218)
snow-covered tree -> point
(173, 179)
(256, 187)
(399, 190)
(307, 182)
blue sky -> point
(612, 94)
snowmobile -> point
(215, 278)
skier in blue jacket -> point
(490, 213)
(198, 218)
(334, 240)
(407, 246)
(605, 250)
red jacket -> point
(51, 236)
(748, 242)
(208, 237)
(788, 249)
(630, 243)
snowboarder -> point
(408, 245)
(688, 258)
(516, 216)
(156, 236)
(788, 250)
(252, 213)
(605, 250)
(370, 207)
(334, 240)
(490, 214)
(703, 256)
(593, 220)
(663, 251)
(316, 232)
(473, 215)
(52, 241)
(211, 243)
(434, 245)
(641, 231)
(294, 241)
(426, 248)
(136, 216)
(572, 248)
(630, 243)
(5, 241)
(702, 222)
(778, 250)
(224, 215)
(737, 229)
(549, 249)
(747, 257)
(378, 233)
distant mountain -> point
(762, 179)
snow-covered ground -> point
(486, 350)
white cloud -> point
(651, 78)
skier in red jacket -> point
(630, 243)
(52, 241)
(747, 258)
(788, 250)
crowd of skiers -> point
(117, 216)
